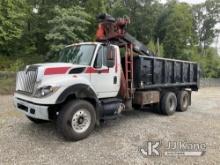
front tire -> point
(168, 103)
(76, 120)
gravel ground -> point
(116, 141)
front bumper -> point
(32, 110)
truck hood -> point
(49, 69)
(58, 64)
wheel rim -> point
(172, 104)
(81, 120)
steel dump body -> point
(155, 72)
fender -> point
(81, 91)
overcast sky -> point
(188, 1)
(192, 1)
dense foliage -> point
(33, 31)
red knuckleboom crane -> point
(113, 31)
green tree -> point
(95, 7)
(175, 29)
(39, 13)
(143, 15)
(156, 48)
(69, 26)
(206, 16)
(12, 21)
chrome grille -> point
(25, 80)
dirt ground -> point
(116, 141)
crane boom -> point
(114, 31)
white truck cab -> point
(89, 84)
(84, 63)
(86, 72)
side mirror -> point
(110, 56)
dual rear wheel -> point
(170, 102)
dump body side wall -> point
(155, 72)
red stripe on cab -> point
(57, 70)
(93, 70)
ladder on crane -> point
(129, 71)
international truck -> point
(95, 81)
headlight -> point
(45, 91)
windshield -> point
(78, 54)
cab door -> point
(106, 79)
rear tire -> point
(168, 103)
(37, 121)
(183, 99)
(76, 120)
